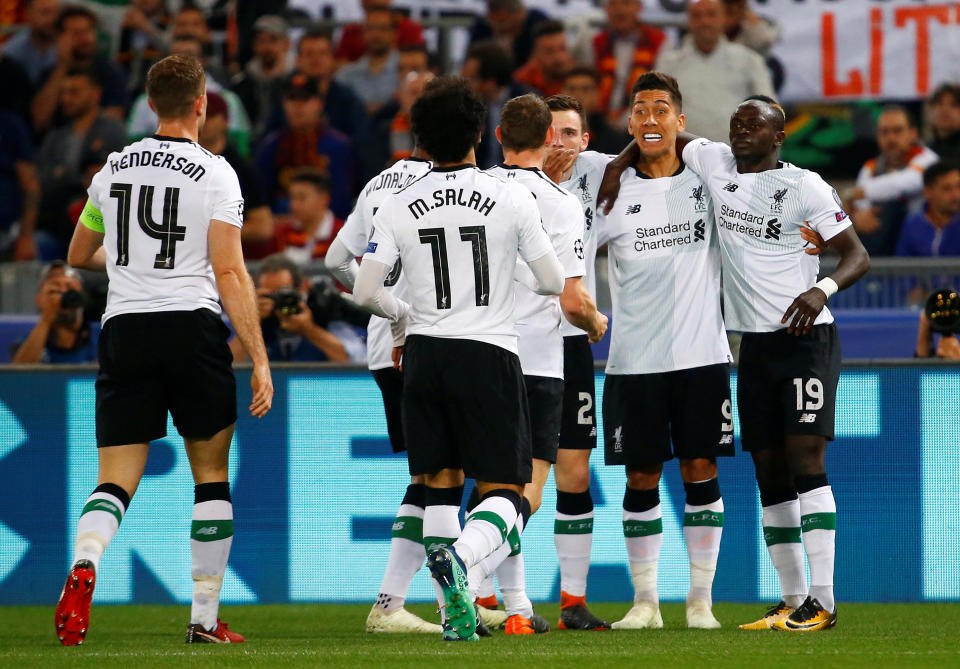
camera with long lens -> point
(943, 311)
(71, 299)
(286, 301)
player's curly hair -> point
(447, 119)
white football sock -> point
(98, 523)
(211, 537)
(781, 531)
(485, 529)
(406, 557)
(818, 511)
(643, 531)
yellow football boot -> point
(808, 617)
(770, 618)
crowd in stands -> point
(307, 115)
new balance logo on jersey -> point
(776, 207)
(208, 531)
(578, 249)
(807, 418)
(633, 209)
(699, 204)
(699, 230)
(773, 230)
(726, 439)
(731, 187)
(399, 525)
(452, 175)
(588, 217)
(593, 432)
(618, 439)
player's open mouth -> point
(652, 137)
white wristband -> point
(827, 285)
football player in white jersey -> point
(459, 233)
(577, 171)
(406, 546)
(525, 132)
(164, 346)
(667, 388)
(789, 364)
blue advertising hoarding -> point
(315, 487)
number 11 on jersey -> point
(437, 239)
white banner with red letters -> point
(828, 49)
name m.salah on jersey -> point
(452, 196)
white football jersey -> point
(157, 197)
(355, 234)
(759, 217)
(538, 317)
(664, 261)
(584, 183)
(458, 232)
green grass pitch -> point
(141, 637)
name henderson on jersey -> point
(451, 196)
(165, 159)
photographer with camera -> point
(295, 325)
(940, 315)
(62, 335)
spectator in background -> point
(509, 23)
(289, 332)
(743, 26)
(945, 122)
(259, 85)
(257, 232)
(583, 83)
(352, 45)
(65, 150)
(622, 51)
(306, 141)
(307, 233)
(76, 50)
(414, 59)
(143, 40)
(61, 335)
(488, 69)
(890, 186)
(142, 120)
(19, 189)
(948, 346)
(392, 139)
(935, 231)
(374, 76)
(714, 74)
(190, 20)
(343, 109)
(34, 48)
(550, 61)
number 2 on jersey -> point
(437, 239)
(168, 232)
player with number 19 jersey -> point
(759, 217)
(157, 197)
